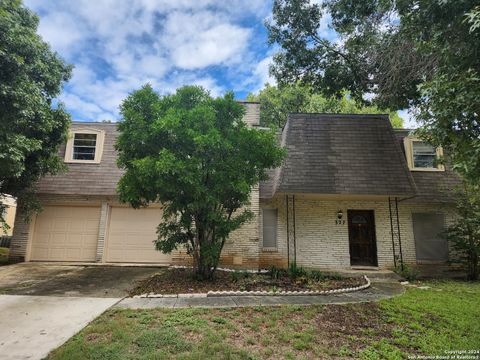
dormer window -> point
(422, 156)
(84, 146)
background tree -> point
(409, 54)
(196, 156)
(277, 102)
(31, 128)
(464, 234)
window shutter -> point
(269, 228)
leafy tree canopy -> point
(194, 155)
(463, 234)
(31, 128)
(277, 102)
(410, 54)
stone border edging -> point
(260, 293)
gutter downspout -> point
(288, 234)
(294, 233)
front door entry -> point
(361, 233)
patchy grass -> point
(423, 322)
(182, 281)
(4, 256)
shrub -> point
(409, 273)
(463, 235)
(335, 276)
(238, 275)
(295, 271)
(276, 273)
(316, 275)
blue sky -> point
(117, 46)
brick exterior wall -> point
(19, 243)
(321, 243)
(102, 231)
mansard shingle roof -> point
(432, 186)
(341, 154)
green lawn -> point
(423, 321)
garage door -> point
(131, 234)
(66, 234)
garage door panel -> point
(132, 234)
(65, 233)
(61, 225)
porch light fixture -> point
(339, 214)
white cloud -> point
(262, 72)
(198, 40)
(118, 45)
(85, 110)
(62, 31)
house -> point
(353, 192)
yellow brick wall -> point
(321, 243)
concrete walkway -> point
(377, 291)
(32, 326)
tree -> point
(31, 128)
(464, 234)
(194, 155)
(277, 102)
(416, 54)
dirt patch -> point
(182, 281)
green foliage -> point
(450, 115)
(299, 273)
(276, 273)
(31, 128)
(409, 54)
(316, 275)
(294, 271)
(239, 275)
(407, 272)
(464, 234)
(277, 102)
(196, 156)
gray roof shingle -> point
(434, 186)
(87, 179)
(327, 154)
(341, 154)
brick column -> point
(102, 229)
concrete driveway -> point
(47, 279)
(43, 305)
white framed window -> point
(85, 146)
(422, 156)
(269, 221)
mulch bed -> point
(182, 281)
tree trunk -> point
(473, 273)
(204, 261)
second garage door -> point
(131, 234)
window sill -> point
(82, 161)
(265, 249)
(427, 169)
